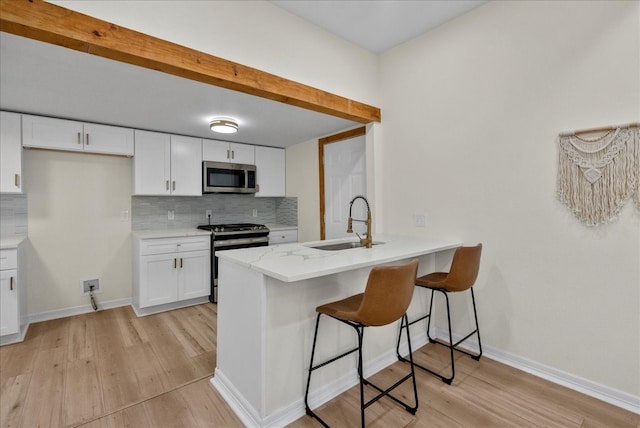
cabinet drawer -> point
(282, 236)
(8, 259)
(174, 245)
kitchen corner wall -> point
(150, 212)
(80, 216)
(79, 228)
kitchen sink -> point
(341, 246)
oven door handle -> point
(241, 241)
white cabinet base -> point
(141, 312)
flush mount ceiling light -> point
(224, 125)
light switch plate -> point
(420, 220)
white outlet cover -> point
(420, 220)
(98, 291)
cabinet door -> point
(9, 322)
(10, 153)
(50, 133)
(242, 153)
(186, 166)
(216, 151)
(270, 171)
(158, 279)
(152, 164)
(195, 279)
(108, 139)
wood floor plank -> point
(81, 338)
(45, 397)
(83, 394)
(204, 404)
(14, 393)
(170, 410)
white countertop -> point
(11, 242)
(297, 261)
(275, 227)
(169, 233)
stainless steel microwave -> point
(222, 177)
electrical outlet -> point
(171, 215)
(207, 214)
(420, 220)
(86, 285)
(255, 212)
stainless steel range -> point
(231, 237)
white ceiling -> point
(378, 25)
(49, 80)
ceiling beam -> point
(46, 22)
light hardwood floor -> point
(112, 369)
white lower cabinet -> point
(9, 316)
(13, 325)
(283, 236)
(171, 270)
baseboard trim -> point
(76, 310)
(607, 394)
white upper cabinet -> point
(186, 166)
(61, 134)
(108, 139)
(223, 151)
(10, 153)
(152, 164)
(167, 165)
(270, 171)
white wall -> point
(471, 115)
(74, 203)
(303, 182)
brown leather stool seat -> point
(385, 300)
(462, 276)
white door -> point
(108, 139)
(158, 279)
(344, 178)
(152, 163)
(10, 153)
(9, 323)
(186, 166)
(194, 276)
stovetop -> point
(234, 227)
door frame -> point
(352, 133)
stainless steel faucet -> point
(368, 241)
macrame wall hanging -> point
(598, 171)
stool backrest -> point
(464, 268)
(388, 294)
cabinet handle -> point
(233, 154)
(175, 263)
(174, 185)
(87, 139)
(167, 185)
(180, 262)
(228, 156)
(79, 141)
(16, 180)
(11, 283)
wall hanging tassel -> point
(597, 175)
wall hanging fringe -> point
(599, 170)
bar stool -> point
(385, 300)
(461, 276)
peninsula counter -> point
(266, 316)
